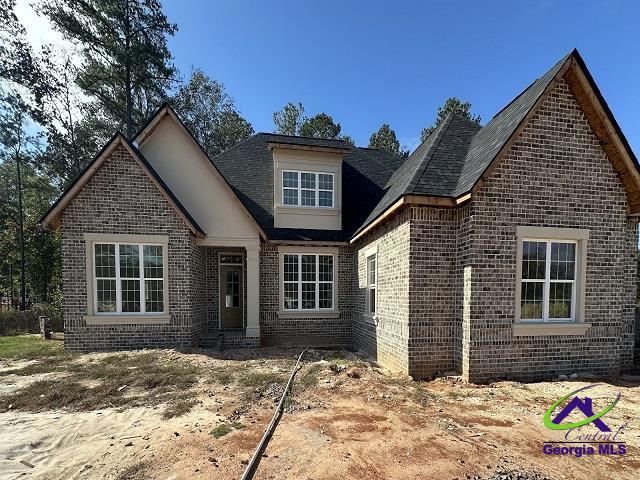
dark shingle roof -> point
(453, 158)
(248, 167)
(492, 137)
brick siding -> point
(308, 331)
(556, 174)
(121, 199)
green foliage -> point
(320, 126)
(292, 121)
(127, 65)
(451, 105)
(226, 428)
(16, 322)
(385, 139)
(210, 113)
(19, 63)
(29, 347)
(289, 120)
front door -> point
(231, 296)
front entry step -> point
(215, 340)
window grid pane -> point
(129, 261)
(560, 296)
(531, 300)
(548, 280)
(325, 199)
(308, 180)
(290, 179)
(534, 260)
(139, 273)
(154, 295)
(308, 198)
(290, 196)
(152, 256)
(130, 296)
(106, 296)
(307, 281)
(105, 260)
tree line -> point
(59, 106)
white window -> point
(548, 280)
(372, 281)
(128, 278)
(307, 189)
(308, 282)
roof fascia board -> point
(613, 133)
(312, 148)
(51, 218)
(407, 200)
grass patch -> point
(423, 396)
(179, 406)
(223, 377)
(310, 377)
(29, 347)
(226, 428)
(122, 380)
(134, 472)
(260, 379)
(62, 394)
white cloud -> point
(39, 30)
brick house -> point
(499, 251)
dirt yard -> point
(170, 415)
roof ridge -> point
(415, 179)
(562, 60)
(304, 136)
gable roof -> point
(248, 167)
(52, 217)
(453, 161)
(166, 110)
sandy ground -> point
(355, 421)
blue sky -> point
(374, 62)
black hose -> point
(252, 466)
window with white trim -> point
(128, 278)
(307, 189)
(308, 282)
(548, 281)
(372, 281)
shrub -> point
(16, 322)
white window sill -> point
(297, 210)
(533, 329)
(127, 319)
(308, 314)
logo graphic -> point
(587, 437)
(585, 406)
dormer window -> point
(307, 189)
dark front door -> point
(231, 296)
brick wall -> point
(433, 291)
(387, 337)
(121, 199)
(555, 175)
(275, 330)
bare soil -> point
(347, 419)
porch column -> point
(253, 291)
